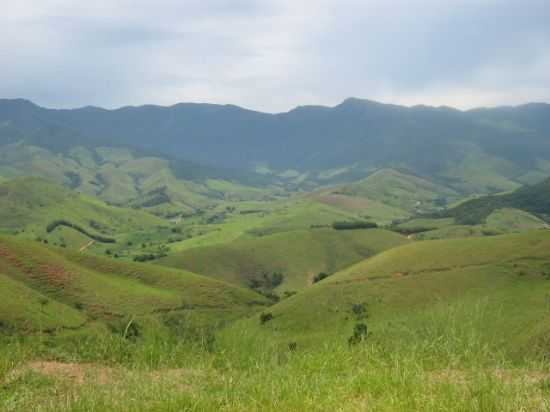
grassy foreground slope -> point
(49, 289)
(298, 255)
(453, 326)
(510, 274)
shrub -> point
(320, 277)
(359, 310)
(265, 317)
(267, 282)
(145, 257)
(360, 334)
(292, 346)
(275, 280)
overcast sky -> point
(274, 55)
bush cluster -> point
(353, 225)
(98, 238)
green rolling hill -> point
(48, 289)
(534, 199)
(520, 210)
(399, 190)
(398, 290)
(126, 177)
(299, 255)
(30, 206)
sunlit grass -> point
(446, 363)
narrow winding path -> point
(86, 246)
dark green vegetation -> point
(353, 225)
(60, 223)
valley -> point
(132, 279)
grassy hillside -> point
(48, 289)
(500, 221)
(252, 219)
(28, 205)
(393, 291)
(534, 199)
(122, 176)
(480, 172)
(366, 208)
(400, 190)
(297, 255)
(453, 325)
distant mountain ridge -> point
(512, 144)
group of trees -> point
(354, 225)
(61, 222)
(266, 283)
(320, 276)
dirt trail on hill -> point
(86, 246)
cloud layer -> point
(272, 55)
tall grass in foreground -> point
(444, 359)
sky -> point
(274, 55)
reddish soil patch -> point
(56, 275)
(342, 201)
(12, 258)
(346, 202)
(74, 372)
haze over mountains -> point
(509, 146)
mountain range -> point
(481, 150)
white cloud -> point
(275, 54)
